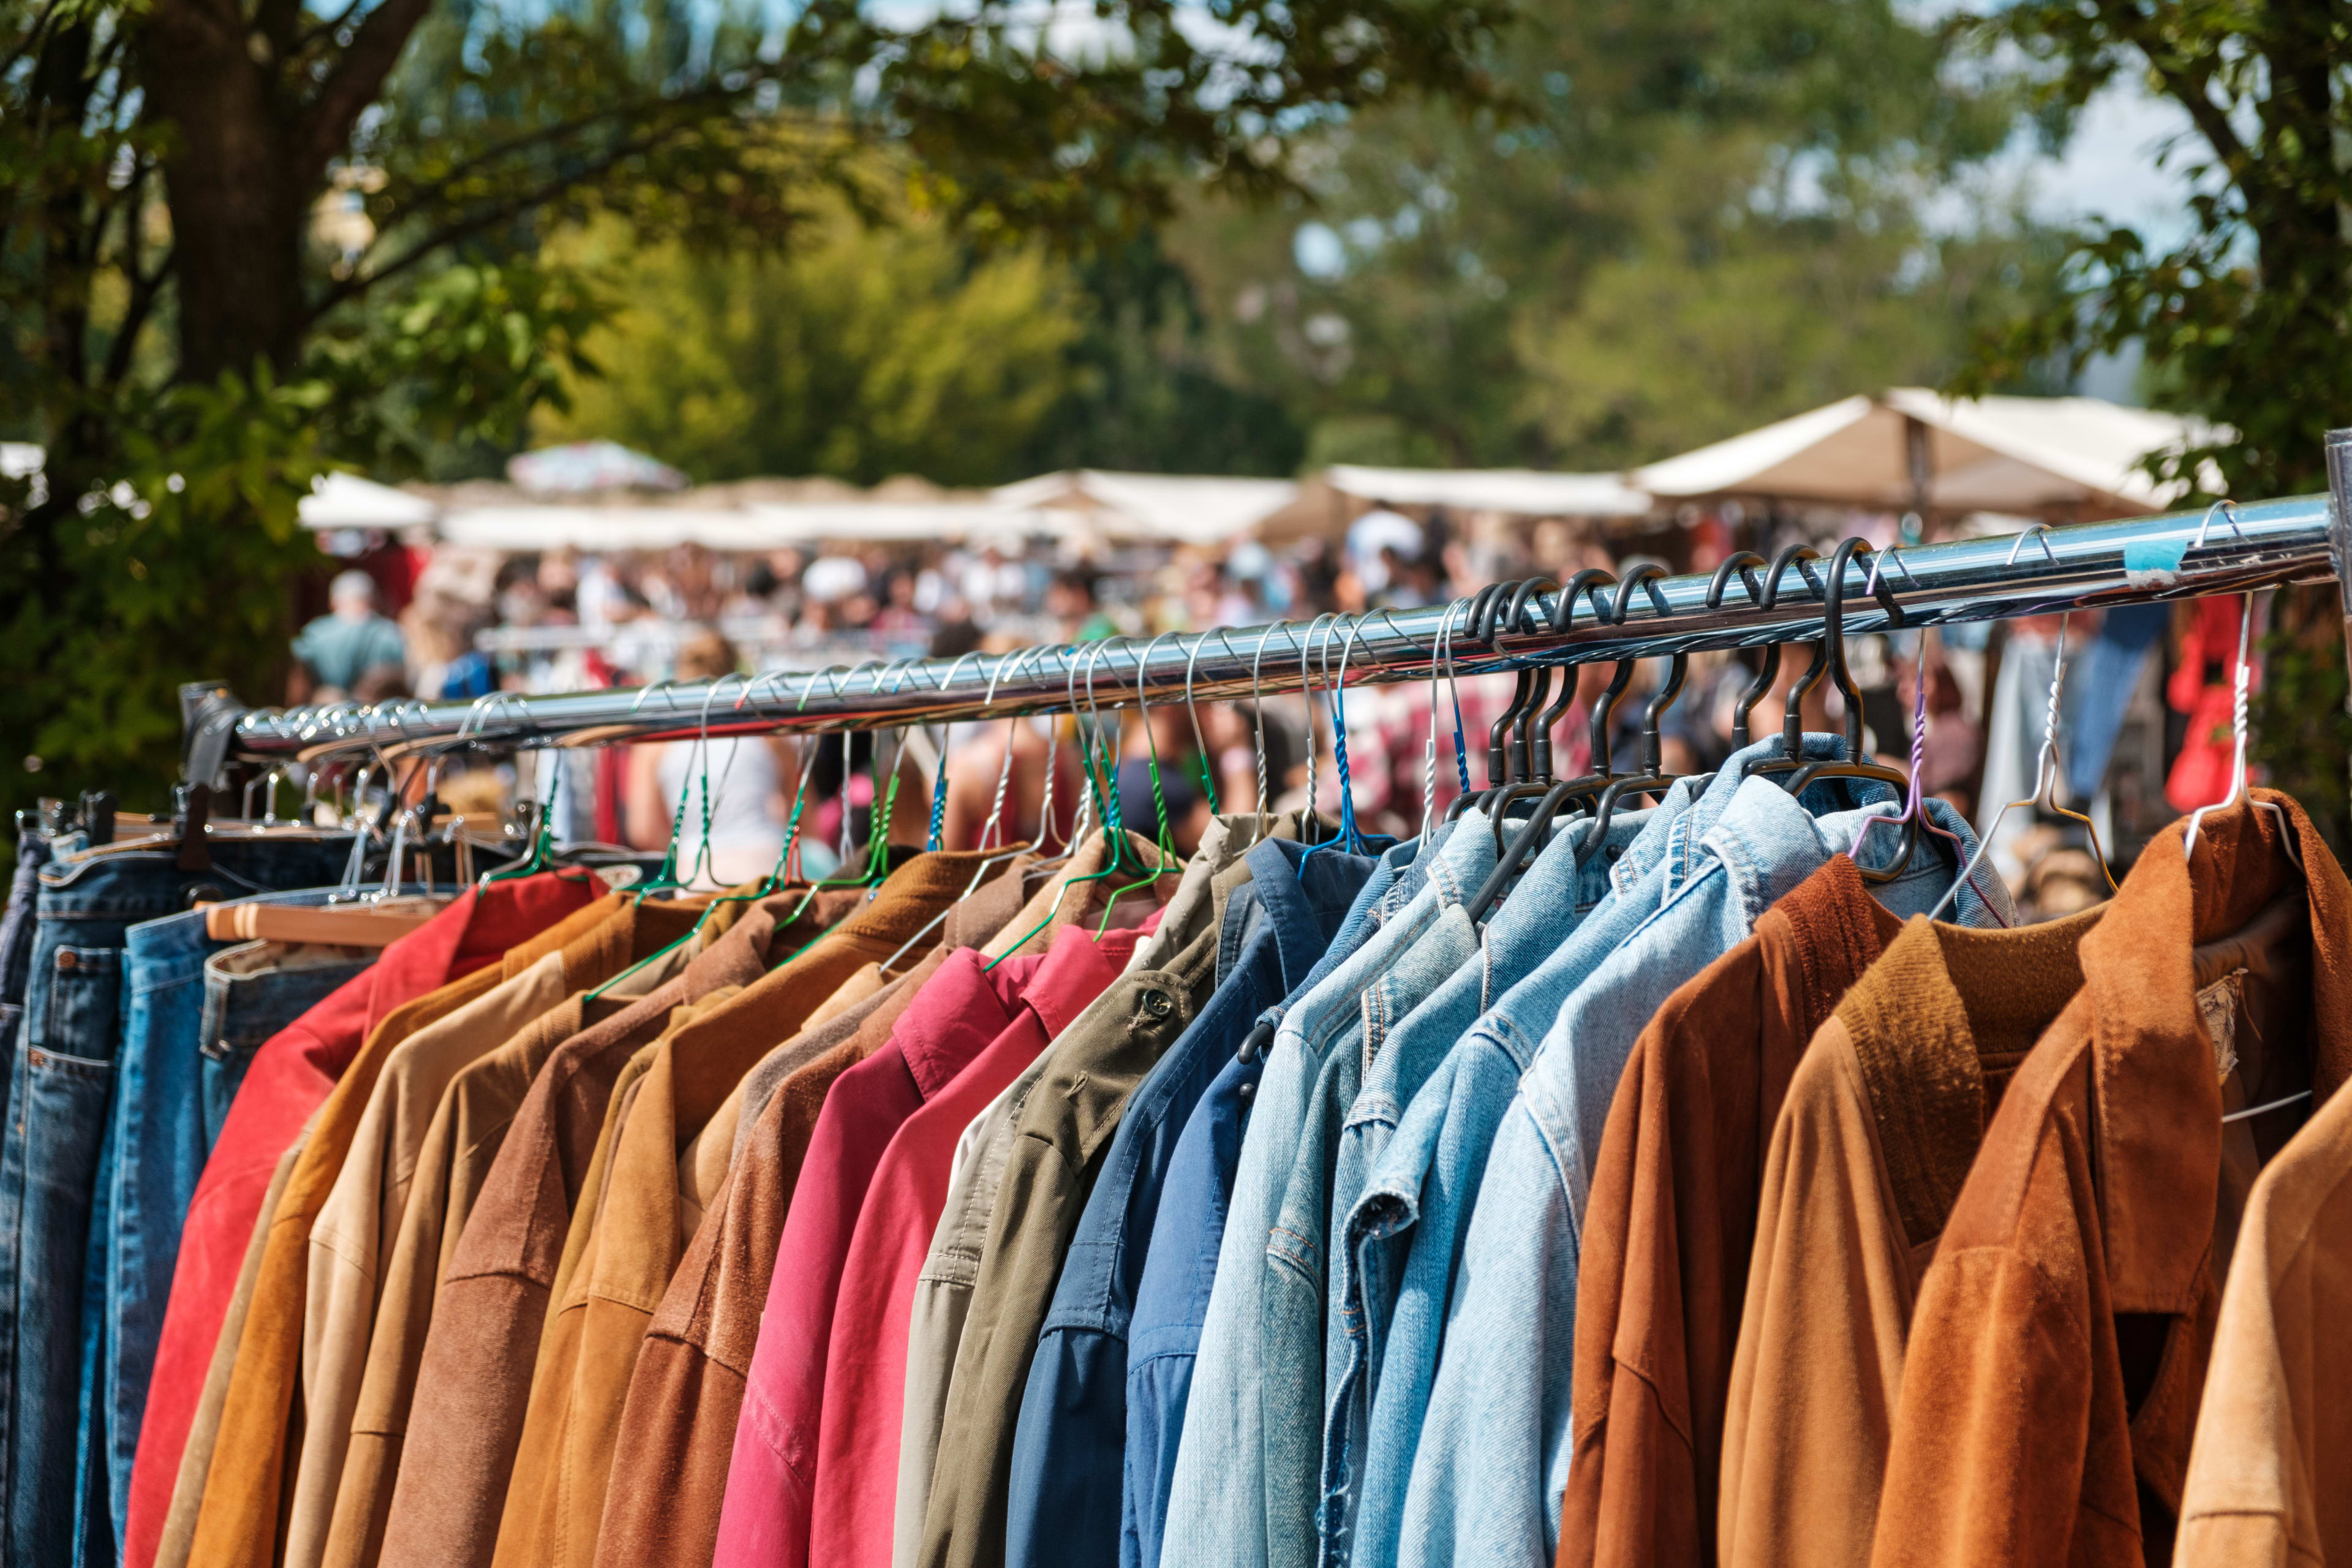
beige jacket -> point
(353, 1236)
(2270, 1474)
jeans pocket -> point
(85, 1002)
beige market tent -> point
(1522, 492)
(1177, 509)
(2057, 457)
(1334, 497)
(755, 526)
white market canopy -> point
(758, 526)
(346, 500)
(1526, 492)
(1184, 508)
(2067, 457)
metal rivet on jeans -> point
(69, 959)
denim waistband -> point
(242, 1007)
(138, 884)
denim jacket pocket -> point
(84, 1001)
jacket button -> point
(1158, 1003)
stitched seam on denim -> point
(1304, 1259)
(42, 1056)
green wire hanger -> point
(1113, 838)
(1169, 861)
(768, 884)
(995, 811)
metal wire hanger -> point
(2045, 778)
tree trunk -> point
(239, 197)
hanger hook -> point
(1004, 773)
(2039, 533)
(1192, 707)
(2229, 514)
(1257, 704)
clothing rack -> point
(2188, 554)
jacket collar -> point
(2156, 1097)
(1941, 1003)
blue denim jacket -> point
(1216, 1500)
(1291, 1315)
(1468, 1448)
(1544, 907)
(1066, 1482)
(1180, 1270)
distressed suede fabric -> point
(2060, 1346)
(239, 1523)
(1882, 1119)
(2270, 1474)
(467, 1128)
(359, 1225)
(620, 1254)
(473, 1379)
(1671, 1219)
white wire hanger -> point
(2238, 781)
(2045, 763)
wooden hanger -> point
(377, 925)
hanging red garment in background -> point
(2201, 687)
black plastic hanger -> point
(1651, 775)
(1853, 766)
(1761, 592)
(1509, 758)
(1588, 581)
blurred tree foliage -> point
(2242, 317)
(332, 218)
(1676, 220)
(874, 349)
(865, 352)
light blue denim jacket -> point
(1544, 907)
(1216, 1497)
(1188, 1231)
(1474, 1440)
(1291, 1315)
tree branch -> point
(489, 217)
(551, 133)
(357, 81)
(2185, 89)
(144, 292)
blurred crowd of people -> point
(462, 623)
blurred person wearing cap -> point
(336, 649)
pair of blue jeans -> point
(61, 1085)
(33, 852)
(191, 1024)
